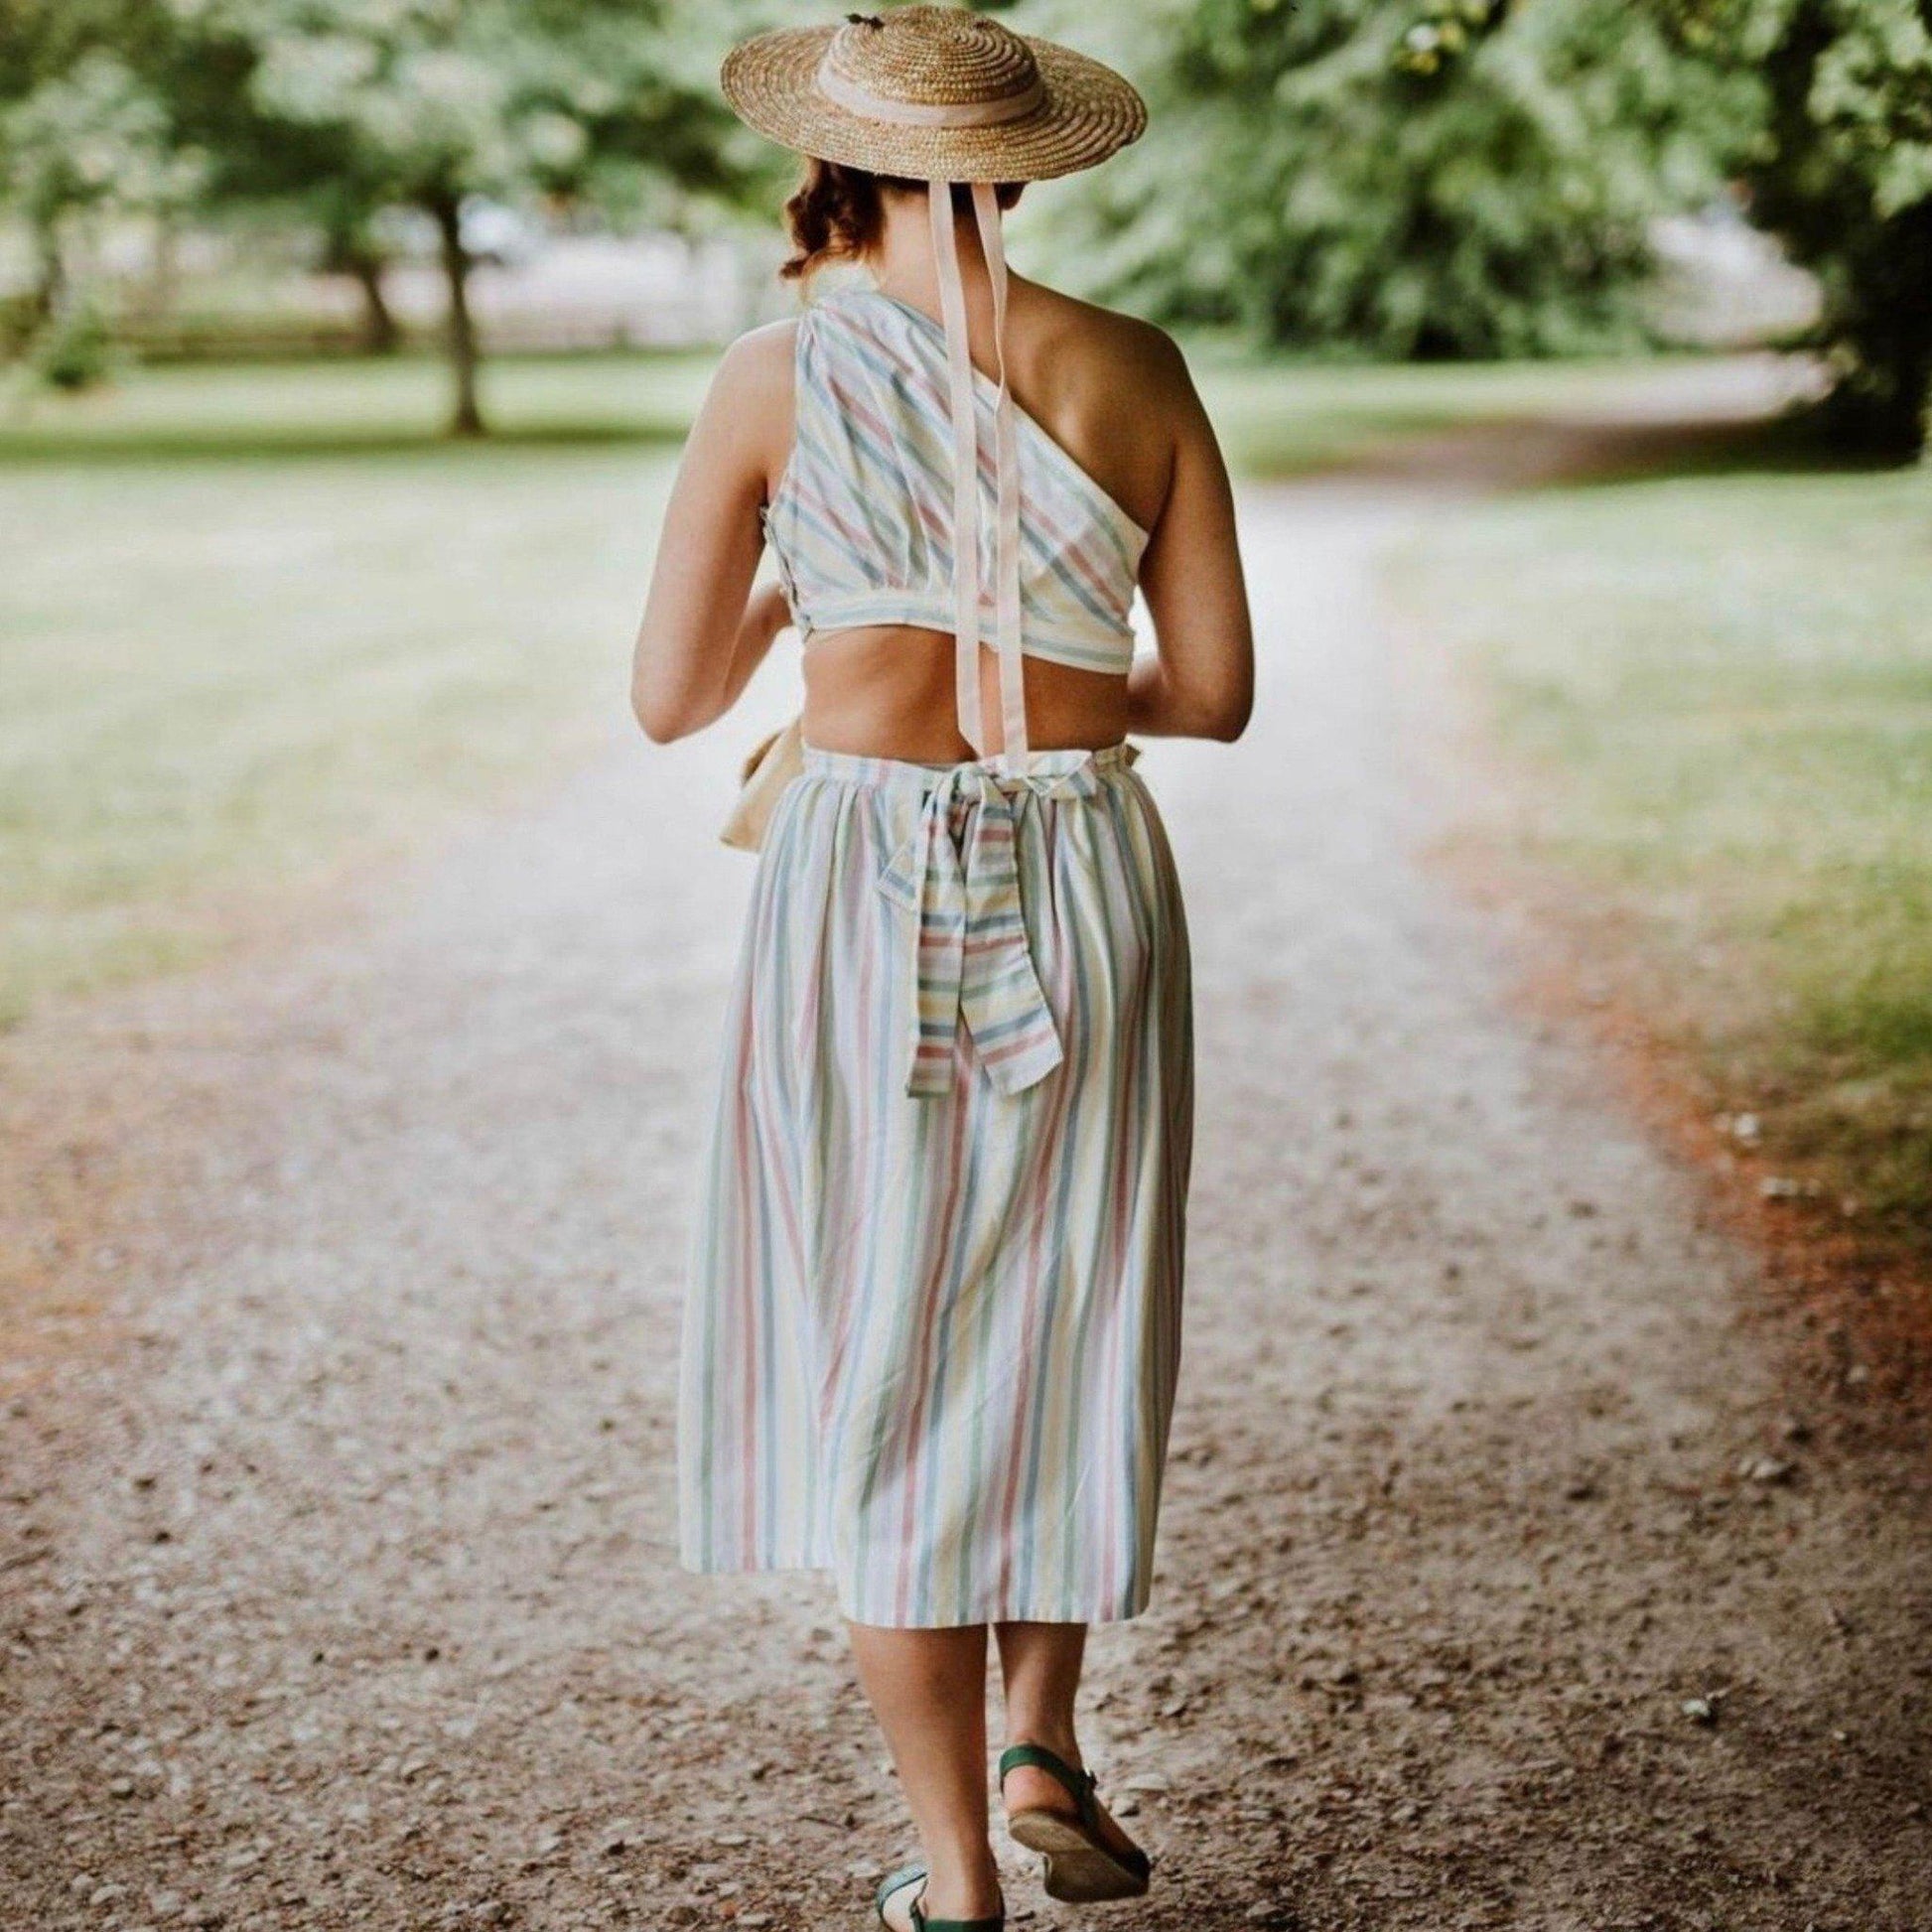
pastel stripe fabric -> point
(959, 875)
(932, 1335)
(861, 523)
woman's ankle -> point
(1056, 1736)
(962, 1881)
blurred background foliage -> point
(1459, 178)
(329, 114)
(1408, 178)
(1480, 178)
(1837, 162)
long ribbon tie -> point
(958, 871)
(1007, 638)
(972, 963)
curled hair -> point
(839, 213)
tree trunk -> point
(164, 271)
(1880, 409)
(381, 335)
(50, 268)
(467, 417)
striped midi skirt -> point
(934, 1315)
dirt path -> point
(336, 1567)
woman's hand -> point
(766, 614)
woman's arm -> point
(1200, 682)
(704, 632)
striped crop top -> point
(861, 522)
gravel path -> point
(1506, 1580)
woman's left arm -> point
(704, 634)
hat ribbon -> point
(856, 99)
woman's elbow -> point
(663, 699)
(1224, 716)
(663, 717)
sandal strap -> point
(1079, 1785)
(895, 1883)
(911, 1874)
(920, 1923)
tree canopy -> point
(339, 109)
(365, 104)
(1476, 177)
(1456, 178)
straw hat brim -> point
(1087, 112)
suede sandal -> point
(1082, 1866)
(913, 1874)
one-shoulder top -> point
(861, 522)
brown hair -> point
(839, 213)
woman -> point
(931, 1337)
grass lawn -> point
(1288, 419)
(218, 679)
(256, 620)
(361, 407)
(1719, 693)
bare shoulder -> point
(1134, 360)
(747, 415)
(757, 365)
(1114, 391)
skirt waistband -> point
(1037, 769)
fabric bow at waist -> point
(972, 960)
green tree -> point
(1823, 113)
(1840, 166)
(360, 105)
(1450, 178)
(89, 139)
(351, 247)
(82, 132)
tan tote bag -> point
(771, 768)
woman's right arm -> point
(1199, 681)
(704, 632)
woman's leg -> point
(927, 1689)
(1041, 1663)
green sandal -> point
(910, 1875)
(1082, 1867)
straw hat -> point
(932, 93)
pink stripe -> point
(933, 1287)
(814, 500)
(1128, 1132)
(1005, 1050)
(1089, 560)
